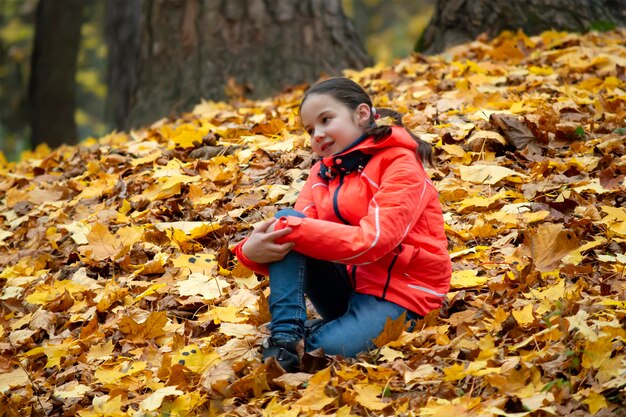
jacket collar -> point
(356, 156)
(343, 164)
(346, 161)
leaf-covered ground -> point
(119, 296)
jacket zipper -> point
(336, 203)
(393, 261)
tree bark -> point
(460, 21)
(122, 23)
(53, 69)
(190, 49)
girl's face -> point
(333, 126)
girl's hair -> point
(352, 94)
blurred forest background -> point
(73, 69)
(387, 28)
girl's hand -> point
(260, 246)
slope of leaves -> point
(119, 295)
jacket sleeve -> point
(261, 269)
(394, 209)
(305, 203)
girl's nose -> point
(317, 135)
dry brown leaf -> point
(548, 244)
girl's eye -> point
(325, 120)
(310, 132)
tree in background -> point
(459, 21)
(52, 87)
(122, 38)
(16, 35)
(191, 50)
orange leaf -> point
(393, 329)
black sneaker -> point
(311, 325)
(285, 352)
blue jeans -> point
(351, 320)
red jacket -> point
(373, 208)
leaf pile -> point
(119, 295)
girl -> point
(366, 240)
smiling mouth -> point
(326, 146)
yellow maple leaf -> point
(454, 372)
(105, 183)
(152, 289)
(467, 278)
(596, 402)
(314, 396)
(154, 400)
(192, 229)
(111, 294)
(78, 230)
(56, 352)
(222, 169)
(185, 135)
(579, 322)
(229, 314)
(165, 188)
(72, 390)
(276, 409)
(205, 286)
(597, 352)
(100, 352)
(388, 354)
(368, 395)
(199, 197)
(149, 329)
(195, 358)
(102, 244)
(105, 406)
(112, 375)
(481, 202)
(184, 404)
(423, 372)
(146, 159)
(616, 219)
(130, 235)
(524, 316)
(202, 263)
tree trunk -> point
(190, 49)
(459, 21)
(122, 36)
(53, 70)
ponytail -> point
(424, 149)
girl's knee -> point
(288, 212)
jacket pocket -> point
(430, 269)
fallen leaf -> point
(548, 244)
(149, 329)
(392, 330)
(489, 174)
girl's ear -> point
(363, 113)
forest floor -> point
(120, 297)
